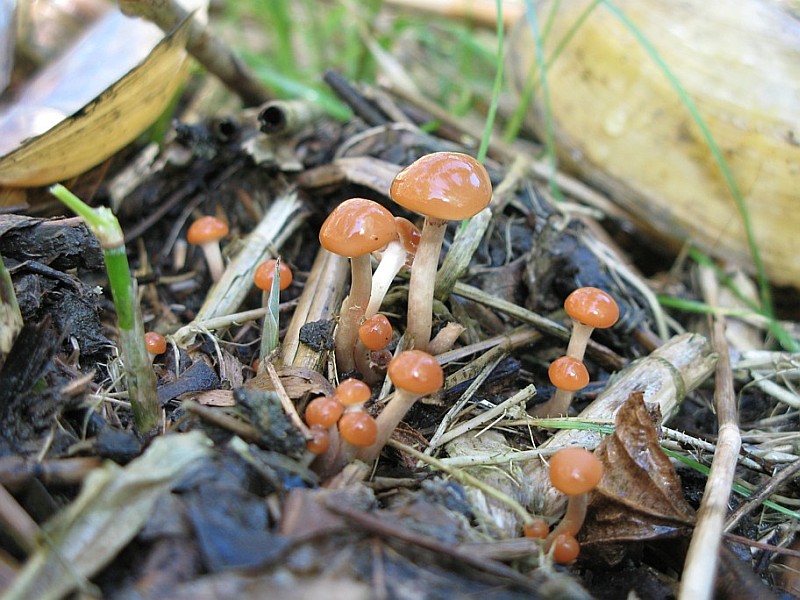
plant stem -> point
(140, 379)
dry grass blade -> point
(701, 561)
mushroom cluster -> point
(442, 186)
(589, 308)
(574, 472)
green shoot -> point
(269, 332)
(139, 376)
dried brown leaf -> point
(640, 496)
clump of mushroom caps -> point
(574, 472)
(589, 308)
(443, 186)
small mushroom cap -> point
(417, 372)
(575, 471)
(568, 373)
(443, 185)
(376, 332)
(358, 429)
(408, 233)
(323, 411)
(352, 392)
(356, 227)
(265, 273)
(593, 307)
(320, 440)
(207, 229)
(155, 342)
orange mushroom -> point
(354, 229)
(443, 186)
(324, 411)
(358, 429)
(352, 393)
(265, 274)
(415, 374)
(536, 528)
(574, 472)
(155, 343)
(399, 253)
(206, 232)
(320, 440)
(590, 308)
(566, 548)
(376, 332)
(568, 374)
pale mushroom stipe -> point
(354, 229)
(207, 232)
(443, 186)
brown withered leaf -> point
(639, 497)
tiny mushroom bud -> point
(574, 472)
(376, 332)
(590, 308)
(415, 374)
(441, 186)
(398, 253)
(265, 273)
(565, 548)
(155, 343)
(206, 232)
(536, 528)
(320, 440)
(354, 229)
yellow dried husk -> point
(621, 126)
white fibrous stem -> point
(214, 260)
(423, 282)
(393, 259)
(388, 421)
(579, 339)
(352, 313)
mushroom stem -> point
(362, 356)
(573, 519)
(388, 421)
(394, 257)
(352, 312)
(216, 267)
(579, 339)
(423, 282)
(557, 405)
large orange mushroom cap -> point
(206, 229)
(593, 307)
(444, 185)
(417, 372)
(356, 227)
